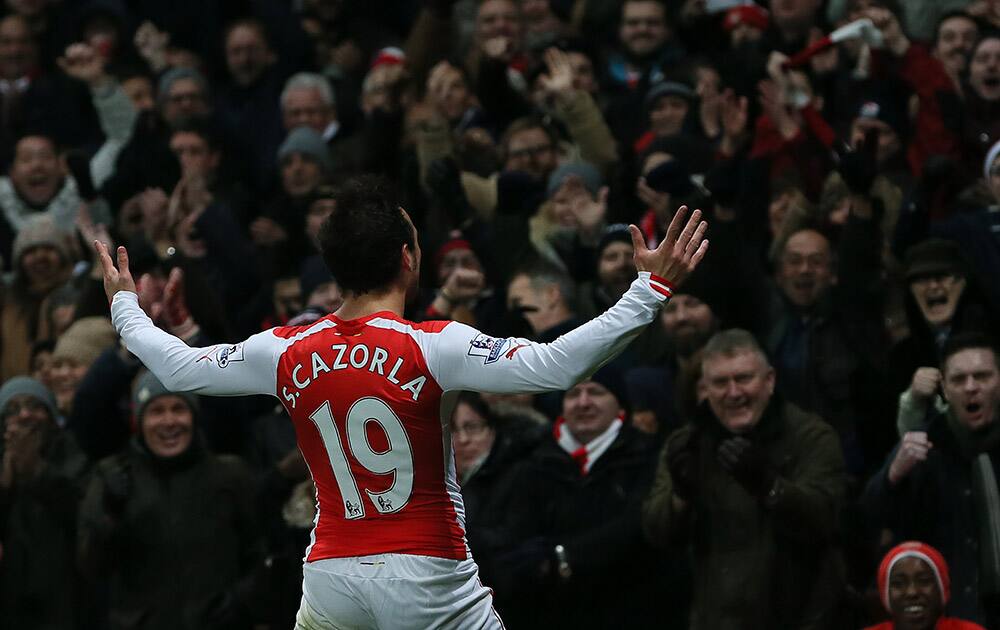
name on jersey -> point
(360, 357)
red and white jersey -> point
(371, 400)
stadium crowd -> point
(822, 389)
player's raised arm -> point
(460, 357)
(248, 367)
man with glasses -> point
(41, 472)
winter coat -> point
(185, 543)
(759, 564)
(39, 585)
(935, 504)
(617, 578)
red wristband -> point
(661, 285)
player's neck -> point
(356, 306)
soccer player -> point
(371, 396)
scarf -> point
(985, 497)
(586, 455)
(63, 207)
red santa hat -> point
(389, 56)
(913, 549)
(749, 14)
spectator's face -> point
(914, 596)
(984, 69)
(616, 268)
(457, 259)
(563, 199)
(888, 140)
(972, 387)
(247, 55)
(41, 368)
(305, 107)
(583, 72)
(644, 28)
(194, 154)
(140, 91)
(738, 387)
(589, 409)
(498, 18)
(318, 212)
(937, 296)
(185, 99)
(531, 151)
(17, 48)
(666, 116)
(42, 265)
(536, 305)
(457, 97)
(689, 323)
(744, 33)
(287, 295)
(327, 296)
(955, 38)
(24, 412)
(805, 270)
(794, 14)
(471, 435)
(300, 174)
(67, 373)
(36, 172)
(167, 426)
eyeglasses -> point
(946, 279)
(534, 151)
(472, 430)
(14, 409)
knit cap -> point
(307, 141)
(148, 388)
(25, 385)
(85, 340)
(39, 230)
(913, 549)
(586, 171)
(176, 74)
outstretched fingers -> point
(681, 245)
(123, 261)
(674, 229)
(695, 241)
(106, 265)
(638, 243)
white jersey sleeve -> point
(461, 357)
(248, 367)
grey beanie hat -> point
(39, 230)
(148, 387)
(306, 140)
(586, 171)
(32, 387)
(175, 74)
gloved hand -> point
(682, 463)
(117, 486)
(748, 464)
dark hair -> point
(249, 22)
(202, 128)
(967, 341)
(948, 15)
(362, 239)
(476, 402)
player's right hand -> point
(115, 279)
(680, 251)
(912, 450)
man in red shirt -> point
(371, 395)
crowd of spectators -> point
(825, 387)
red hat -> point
(449, 246)
(749, 14)
(913, 549)
(389, 56)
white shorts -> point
(394, 591)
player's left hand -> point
(115, 279)
(680, 251)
